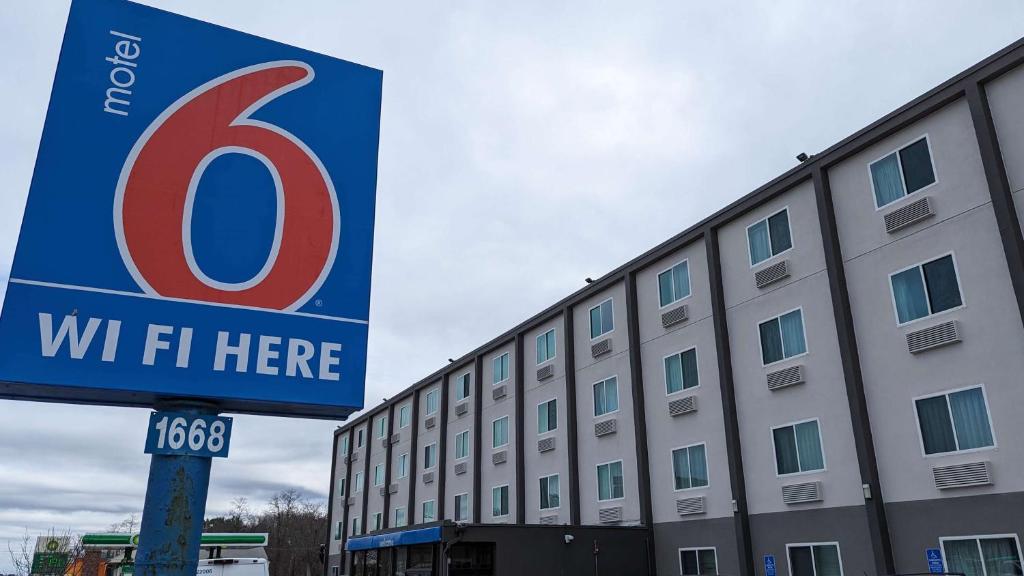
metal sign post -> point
(184, 439)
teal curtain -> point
(792, 325)
(689, 361)
(771, 341)
(917, 166)
(604, 483)
(599, 404)
(595, 322)
(786, 460)
(826, 561)
(936, 427)
(607, 317)
(673, 373)
(885, 175)
(808, 443)
(611, 394)
(970, 418)
(688, 560)
(666, 295)
(908, 291)
(760, 245)
(698, 466)
(1001, 557)
(553, 491)
(963, 556)
(617, 485)
(681, 468)
(681, 278)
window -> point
(428, 514)
(782, 337)
(814, 560)
(341, 488)
(681, 371)
(954, 421)
(360, 438)
(602, 319)
(461, 507)
(403, 465)
(609, 481)
(545, 346)
(378, 474)
(357, 484)
(925, 289)
(769, 237)
(499, 501)
(404, 415)
(674, 283)
(547, 416)
(982, 555)
(429, 456)
(798, 448)
(382, 427)
(344, 445)
(606, 396)
(335, 571)
(400, 517)
(378, 521)
(462, 387)
(462, 445)
(549, 492)
(433, 401)
(357, 526)
(499, 432)
(690, 467)
(500, 366)
(698, 561)
(902, 172)
(338, 529)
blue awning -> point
(406, 538)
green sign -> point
(48, 563)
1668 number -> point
(188, 434)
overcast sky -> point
(525, 146)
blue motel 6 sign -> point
(199, 223)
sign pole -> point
(172, 517)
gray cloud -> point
(516, 137)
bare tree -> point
(61, 550)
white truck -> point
(233, 567)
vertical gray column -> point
(878, 529)
(519, 431)
(368, 437)
(348, 491)
(732, 429)
(387, 466)
(410, 508)
(478, 401)
(330, 506)
(569, 337)
(442, 448)
(636, 377)
(999, 188)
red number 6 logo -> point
(155, 193)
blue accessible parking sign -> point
(935, 564)
(199, 224)
(769, 565)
